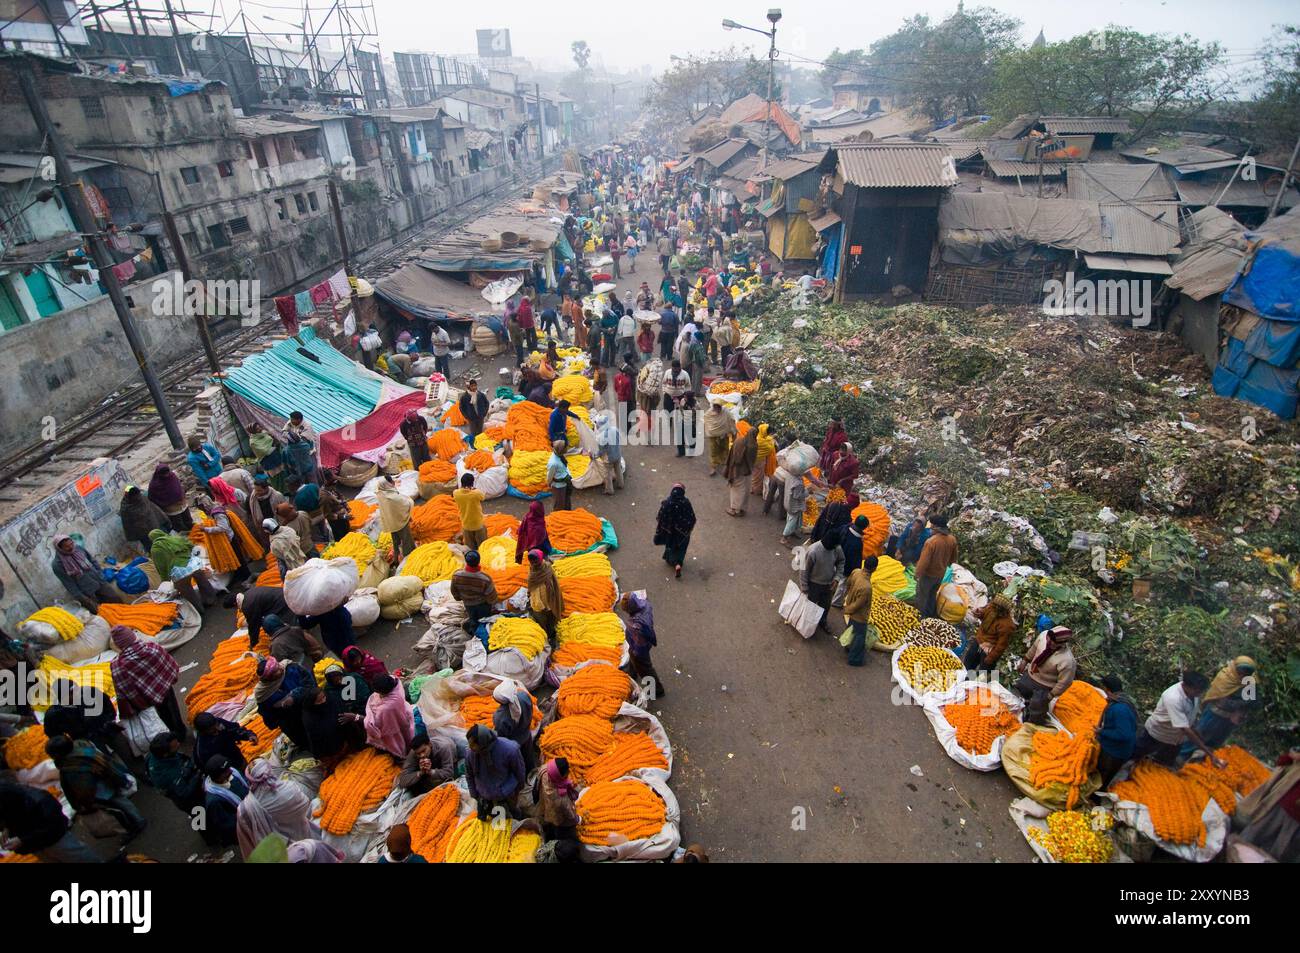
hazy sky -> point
(627, 36)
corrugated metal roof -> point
(255, 127)
(1239, 193)
(881, 165)
(1183, 156)
(477, 138)
(1017, 127)
(719, 155)
(1210, 259)
(1147, 229)
(1109, 183)
(1010, 168)
(963, 149)
(1084, 125)
(1141, 266)
(788, 168)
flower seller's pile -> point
(980, 719)
(26, 749)
(359, 784)
(1076, 837)
(147, 618)
(929, 669)
(1079, 708)
(491, 842)
(572, 531)
(594, 690)
(61, 620)
(356, 546)
(627, 809)
(893, 619)
(433, 822)
(1061, 758)
(523, 635)
(360, 513)
(231, 674)
(934, 633)
(436, 520)
(432, 562)
(479, 709)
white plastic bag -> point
(797, 459)
(89, 642)
(320, 585)
(140, 729)
(798, 610)
(363, 606)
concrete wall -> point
(1199, 326)
(64, 364)
(87, 506)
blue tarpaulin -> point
(1239, 374)
(1269, 286)
(831, 256)
(563, 249)
(179, 87)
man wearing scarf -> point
(513, 719)
(494, 771)
(93, 781)
(740, 464)
(144, 676)
(415, 431)
(719, 427)
(223, 791)
(545, 601)
(395, 516)
(1046, 672)
(280, 692)
(285, 546)
(641, 638)
(293, 518)
(80, 574)
(261, 507)
(431, 761)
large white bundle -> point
(89, 642)
(363, 606)
(320, 585)
(798, 458)
(42, 633)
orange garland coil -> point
(1059, 758)
(499, 524)
(575, 653)
(433, 821)
(220, 553)
(266, 736)
(359, 784)
(147, 617)
(573, 530)
(480, 460)
(526, 426)
(231, 674)
(437, 471)
(360, 513)
(580, 738)
(447, 443)
(509, 581)
(479, 710)
(632, 751)
(453, 417)
(253, 550)
(980, 719)
(594, 690)
(1079, 708)
(26, 749)
(614, 811)
(587, 594)
(877, 533)
(435, 521)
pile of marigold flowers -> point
(1060, 758)
(432, 562)
(231, 674)
(591, 628)
(26, 749)
(594, 690)
(631, 752)
(525, 635)
(615, 810)
(436, 520)
(149, 618)
(582, 739)
(359, 784)
(479, 709)
(447, 443)
(437, 470)
(587, 594)
(360, 513)
(573, 654)
(980, 719)
(1079, 708)
(929, 669)
(434, 821)
(1076, 837)
(356, 546)
(572, 531)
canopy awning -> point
(1142, 266)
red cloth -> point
(370, 433)
(525, 314)
(321, 293)
(143, 672)
(288, 309)
(623, 386)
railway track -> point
(127, 417)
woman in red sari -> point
(836, 437)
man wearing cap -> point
(1046, 671)
(284, 546)
(475, 590)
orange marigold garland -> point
(1174, 804)
(26, 749)
(435, 521)
(266, 736)
(447, 443)
(571, 654)
(582, 739)
(433, 821)
(613, 811)
(232, 673)
(359, 784)
(1061, 759)
(573, 530)
(1079, 708)
(220, 553)
(631, 751)
(147, 617)
(360, 513)
(594, 690)
(980, 719)
(270, 576)
(479, 709)
(587, 594)
(437, 471)
(499, 524)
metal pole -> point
(176, 35)
(98, 249)
(1286, 177)
(343, 247)
(183, 262)
(767, 119)
(541, 125)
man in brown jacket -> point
(938, 553)
(857, 612)
(740, 464)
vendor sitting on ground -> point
(740, 367)
(1046, 672)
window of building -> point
(191, 242)
(311, 200)
(239, 226)
(92, 107)
(282, 210)
(206, 102)
(301, 203)
(190, 175)
(225, 168)
(217, 235)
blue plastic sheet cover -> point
(1277, 342)
(1240, 375)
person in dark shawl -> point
(532, 532)
(545, 602)
(94, 781)
(836, 437)
(835, 516)
(364, 664)
(144, 676)
(739, 367)
(80, 574)
(851, 544)
(140, 516)
(415, 431)
(673, 527)
(514, 719)
(641, 638)
(280, 693)
(166, 492)
(844, 468)
(262, 505)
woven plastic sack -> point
(320, 585)
(363, 606)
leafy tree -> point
(1276, 109)
(954, 67)
(694, 82)
(1155, 80)
(838, 61)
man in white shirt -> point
(1170, 725)
(679, 396)
(440, 340)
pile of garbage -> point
(1084, 465)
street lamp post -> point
(773, 17)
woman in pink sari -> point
(390, 720)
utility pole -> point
(183, 262)
(343, 247)
(771, 71)
(98, 249)
(1286, 177)
(541, 125)
(176, 36)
